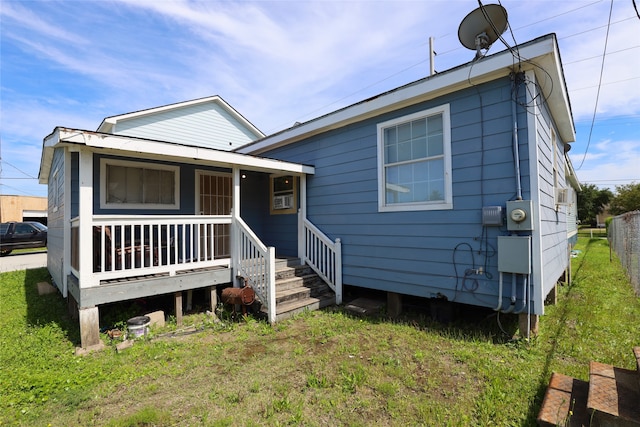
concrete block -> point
(89, 327)
(157, 318)
(83, 351)
(120, 347)
(394, 304)
(45, 288)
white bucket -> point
(138, 326)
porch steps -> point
(299, 288)
(611, 397)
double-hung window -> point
(139, 185)
(414, 162)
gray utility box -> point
(519, 215)
(514, 254)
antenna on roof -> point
(483, 26)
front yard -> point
(321, 368)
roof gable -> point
(206, 122)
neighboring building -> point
(23, 208)
(455, 187)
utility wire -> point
(595, 107)
(19, 170)
(635, 7)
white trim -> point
(55, 189)
(66, 223)
(200, 172)
(86, 278)
(164, 151)
(447, 203)
(134, 164)
(109, 124)
(537, 278)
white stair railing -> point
(255, 262)
(323, 256)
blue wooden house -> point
(456, 187)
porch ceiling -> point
(159, 150)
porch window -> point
(139, 185)
(414, 162)
(283, 194)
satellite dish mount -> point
(482, 27)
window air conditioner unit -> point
(283, 202)
(562, 196)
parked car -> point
(22, 235)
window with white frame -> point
(55, 190)
(139, 185)
(414, 162)
(283, 191)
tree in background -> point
(626, 199)
(591, 202)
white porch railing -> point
(323, 256)
(256, 263)
(125, 246)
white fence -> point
(255, 262)
(125, 246)
(323, 256)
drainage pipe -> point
(499, 293)
(512, 305)
(524, 294)
(528, 310)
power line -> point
(18, 169)
(595, 107)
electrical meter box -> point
(519, 215)
(514, 254)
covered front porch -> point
(114, 252)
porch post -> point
(85, 235)
(235, 213)
(66, 226)
(302, 215)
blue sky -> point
(72, 63)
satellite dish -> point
(483, 26)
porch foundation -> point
(532, 324)
(89, 327)
(394, 304)
(552, 297)
(178, 303)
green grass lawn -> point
(321, 368)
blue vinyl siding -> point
(553, 219)
(55, 218)
(75, 185)
(413, 252)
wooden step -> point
(614, 395)
(565, 402)
(297, 281)
(291, 308)
(286, 272)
